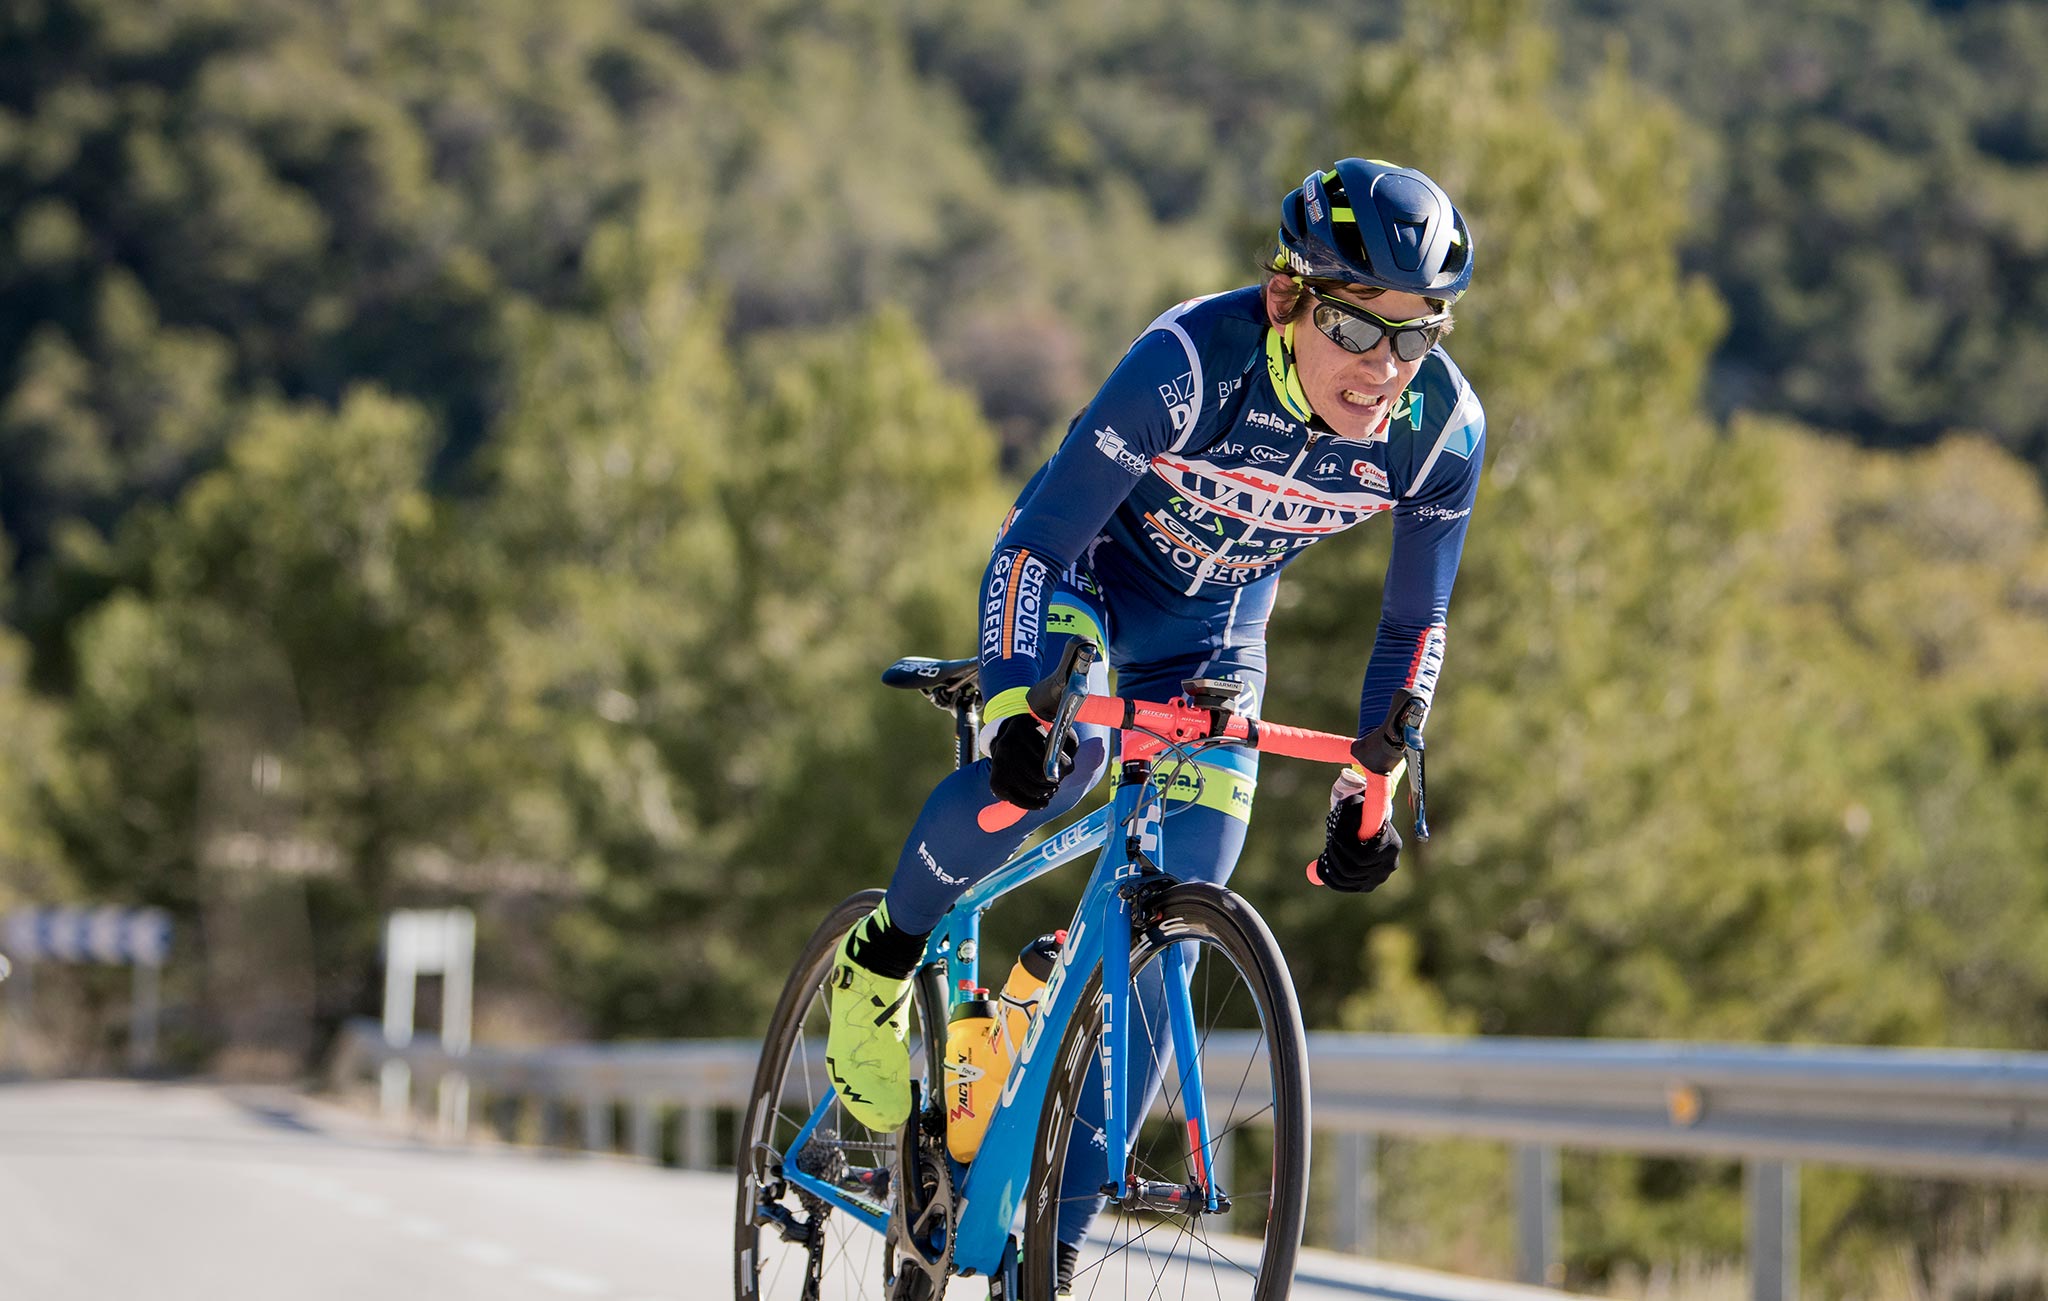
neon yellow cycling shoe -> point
(864, 1052)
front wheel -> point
(1247, 1025)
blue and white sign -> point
(111, 934)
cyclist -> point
(1237, 430)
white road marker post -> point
(424, 942)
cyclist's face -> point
(1354, 392)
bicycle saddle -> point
(919, 673)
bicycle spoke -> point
(1148, 1260)
(839, 1256)
(1116, 1250)
(1217, 1255)
(1240, 1124)
(1183, 1233)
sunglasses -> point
(1354, 329)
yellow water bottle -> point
(976, 1065)
(1025, 988)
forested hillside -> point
(1874, 207)
(485, 453)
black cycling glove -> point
(1016, 762)
(1348, 863)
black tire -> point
(1223, 930)
(787, 1084)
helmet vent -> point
(1405, 208)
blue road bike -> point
(1199, 1162)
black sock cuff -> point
(883, 947)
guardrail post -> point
(697, 1140)
(394, 1090)
(597, 1123)
(20, 996)
(1773, 1197)
(142, 1017)
(646, 1129)
(1358, 1193)
(1536, 1215)
(454, 1107)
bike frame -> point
(991, 1188)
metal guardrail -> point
(1966, 1115)
(694, 1077)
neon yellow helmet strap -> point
(1281, 370)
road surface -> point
(194, 1192)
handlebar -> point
(1062, 697)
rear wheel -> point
(1247, 1027)
(788, 1241)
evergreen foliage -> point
(1874, 212)
(485, 453)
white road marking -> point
(487, 1253)
(564, 1280)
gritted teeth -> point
(1363, 399)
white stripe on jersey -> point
(1461, 418)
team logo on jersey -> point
(1408, 407)
(1267, 420)
(1372, 476)
(1112, 445)
(1030, 598)
(1179, 397)
(1011, 605)
(1328, 466)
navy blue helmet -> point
(1372, 223)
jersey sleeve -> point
(1137, 414)
(1430, 519)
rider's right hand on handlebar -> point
(1016, 768)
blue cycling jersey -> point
(1188, 464)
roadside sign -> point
(111, 935)
(425, 942)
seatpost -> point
(966, 727)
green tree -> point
(1658, 811)
(710, 562)
(280, 694)
(1875, 204)
(30, 867)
